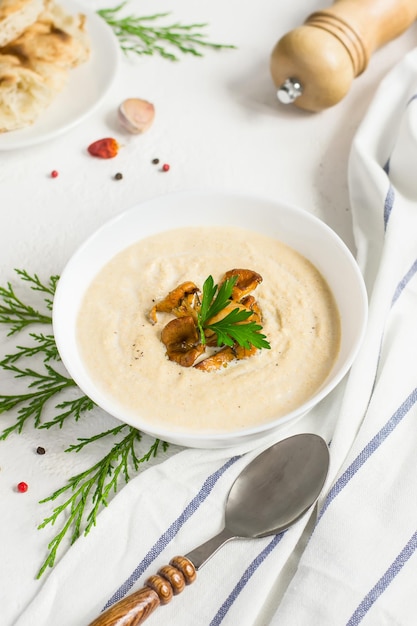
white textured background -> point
(219, 125)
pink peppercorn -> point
(165, 167)
(54, 174)
(22, 487)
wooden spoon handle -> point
(159, 589)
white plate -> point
(87, 86)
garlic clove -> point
(136, 115)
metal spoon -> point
(270, 494)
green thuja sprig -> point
(141, 35)
(44, 387)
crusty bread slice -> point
(73, 24)
(16, 16)
(35, 66)
(44, 41)
(24, 94)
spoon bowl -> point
(270, 494)
(279, 486)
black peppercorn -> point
(40, 450)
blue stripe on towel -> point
(247, 575)
(383, 582)
(369, 449)
(170, 533)
(404, 282)
(389, 203)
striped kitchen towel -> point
(360, 565)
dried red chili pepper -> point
(106, 148)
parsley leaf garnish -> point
(232, 328)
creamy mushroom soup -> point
(123, 351)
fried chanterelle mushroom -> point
(180, 301)
(184, 337)
(182, 340)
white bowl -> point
(294, 227)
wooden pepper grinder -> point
(314, 65)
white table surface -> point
(218, 124)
